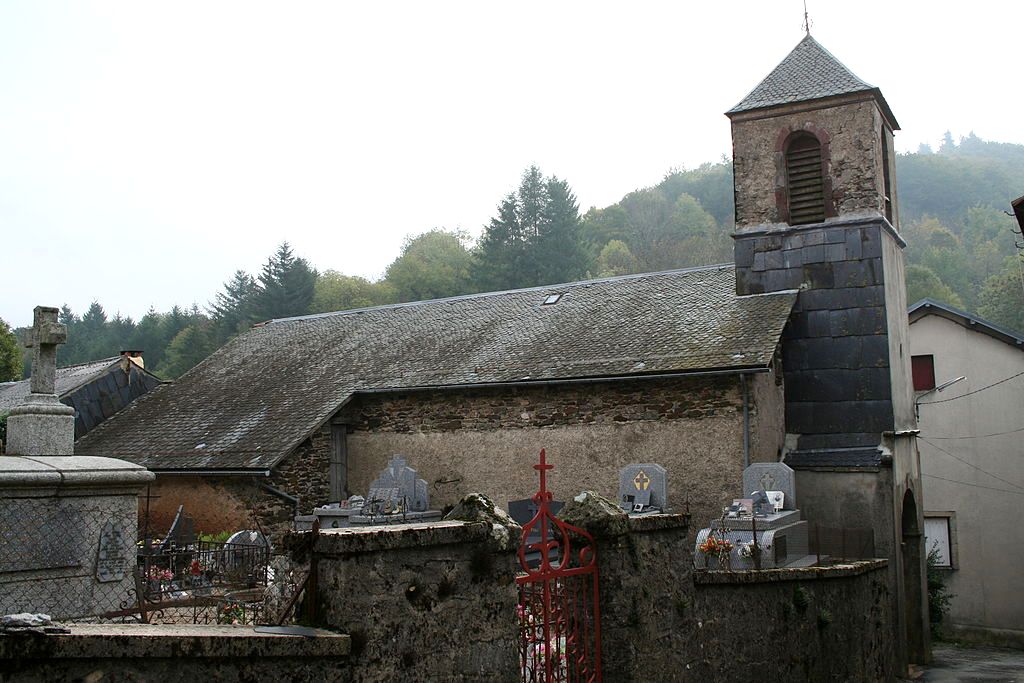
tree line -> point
(952, 206)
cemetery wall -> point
(813, 624)
(486, 440)
(661, 620)
(141, 652)
(422, 602)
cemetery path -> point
(974, 665)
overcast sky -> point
(148, 150)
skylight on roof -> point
(551, 299)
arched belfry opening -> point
(805, 181)
(912, 550)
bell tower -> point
(816, 211)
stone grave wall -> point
(421, 602)
(659, 615)
(67, 556)
(485, 439)
(812, 624)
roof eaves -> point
(1004, 334)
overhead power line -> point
(947, 400)
(970, 464)
(980, 486)
(977, 436)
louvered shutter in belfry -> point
(803, 177)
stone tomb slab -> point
(771, 476)
(643, 484)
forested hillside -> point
(961, 250)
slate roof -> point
(250, 403)
(809, 72)
(67, 380)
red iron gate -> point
(559, 617)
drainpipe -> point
(746, 422)
(282, 495)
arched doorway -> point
(914, 609)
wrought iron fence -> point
(79, 561)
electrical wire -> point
(947, 400)
(969, 464)
(980, 486)
(977, 436)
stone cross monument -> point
(89, 504)
(42, 425)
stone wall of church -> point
(852, 147)
(487, 440)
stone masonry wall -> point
(835, 347)
(852, 135)
(663, 621)
(487, 440)
(423, 602)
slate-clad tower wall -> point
(816, 212)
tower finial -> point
(807, 20)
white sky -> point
(147, 150)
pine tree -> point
(286, 285)
(232, 309)
(535, 238)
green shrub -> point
(938, 594)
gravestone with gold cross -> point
(643, 487)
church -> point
(796, 352)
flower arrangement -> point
(159, 574)
(230, 613)
(717, 548)
(536, 652)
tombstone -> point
(522, 511)
(767, 513)
(398, 489)
(88, 505)
(643, 488)
(181, 534)
(771, 476)
(396, 496)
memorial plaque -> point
(112, 556)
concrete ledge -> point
(60, 472)
(149, 641)
(375, 538)
(658, 522)
(750, 576)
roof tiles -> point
(250, 403)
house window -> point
(804, 180)
(923, 368)
(940, 537)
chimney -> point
(135, 357)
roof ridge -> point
(111, 359)
(480, 295)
